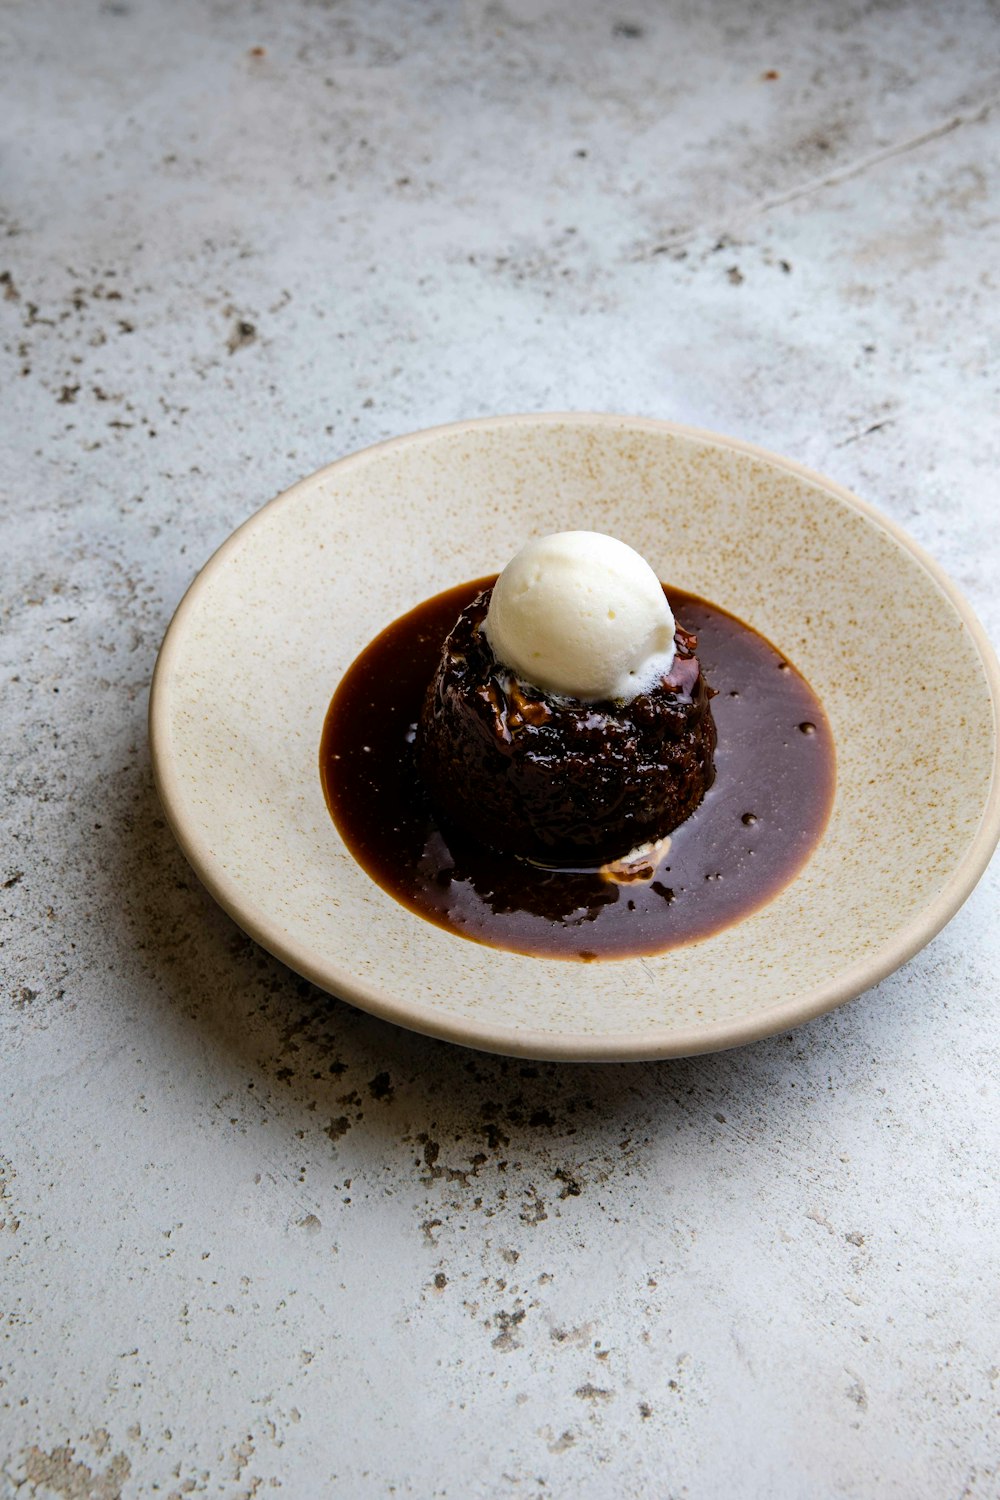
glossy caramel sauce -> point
(755, 828)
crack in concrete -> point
(875, 158)
(856, 437)
(833, 178)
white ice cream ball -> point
(581, 615)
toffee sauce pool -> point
(754, 830)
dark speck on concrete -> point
(533, 1211)
(628, 29)
(507, 1322)
(381, 1087)
(572, 1187)
(243, 333)
(589, 1392)
(428, 1226)
(496, 1138)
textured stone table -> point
(253, 1240)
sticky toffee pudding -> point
(587, 830)
(552, 778)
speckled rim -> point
(562, 1046)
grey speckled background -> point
(255, 1241)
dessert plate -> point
(263, 635)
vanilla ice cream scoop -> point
(581, 615)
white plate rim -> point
(650, 1044)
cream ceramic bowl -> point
(268, 627)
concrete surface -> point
(258, 1242)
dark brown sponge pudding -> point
(557, 779)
